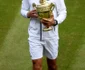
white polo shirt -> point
(59, 13)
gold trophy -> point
(44, 10)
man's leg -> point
(51, 64)
(37, 64)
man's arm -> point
(24, 8)
(25, 12)
(61, 10)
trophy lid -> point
(42, 1)
(43, 7)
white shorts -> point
(48, 47)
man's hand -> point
(48, 21)
(32, 14)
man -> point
(48, 45)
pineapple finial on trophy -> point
(42, 1)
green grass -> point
(8, 10)
(72, 35)
(14, 54)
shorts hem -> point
(36, 58)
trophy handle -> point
(52, 7)
(34, 5)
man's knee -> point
(52, 68)
(52, 64)
(37, 64)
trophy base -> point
(47, 29)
